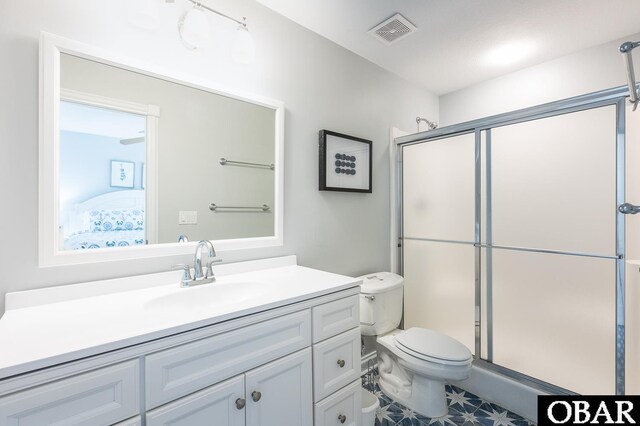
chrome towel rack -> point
(625, 49)
(263, 208)
(224, 161)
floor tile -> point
(465, 409)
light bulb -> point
(194, 28)
(243, 48)
(144, 13)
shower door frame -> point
(611, 97)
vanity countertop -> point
(42, 328)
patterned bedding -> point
(92, 240)
(107, 228)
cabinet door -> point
(219, 405)
(279, 393)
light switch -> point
(187, 217)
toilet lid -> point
(429, 344)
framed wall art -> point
(345, 163)
(122, 174)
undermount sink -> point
(209, 296)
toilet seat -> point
(432, 346)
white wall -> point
(321, 84)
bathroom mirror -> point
(138, 161)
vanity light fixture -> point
(195, 32)
(144, 13)
(193, 26)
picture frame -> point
(122, 173)
(345, 163)
(144, 177)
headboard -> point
(127, 199)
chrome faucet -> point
(198, 272)
(200, 275)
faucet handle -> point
(186, 272)
(209, 272)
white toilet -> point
(413, 364)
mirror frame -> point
(49, 252)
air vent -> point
(393, 29)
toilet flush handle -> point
(372, 298)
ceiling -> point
(455, 38)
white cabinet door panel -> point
(215, 406)
(284, 388)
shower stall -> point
(511, 240)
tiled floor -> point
(465, 409)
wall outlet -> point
(187, 217)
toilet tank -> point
(380, 303)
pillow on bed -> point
(116, 220)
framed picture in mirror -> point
(122, 174)
(345, 163)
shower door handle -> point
(627, 208)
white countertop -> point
(46, 327)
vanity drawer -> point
(335, 317)
(346, 404)
(98, 397)
(336, 363)
(178, 371)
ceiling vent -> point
(393, 29)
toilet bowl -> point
(413, 364)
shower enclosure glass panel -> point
(439, 232)
(439, 204)
(439, 288)
(553, 183)
(553, 318)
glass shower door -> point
(549, 248)
(512, 244)
(439, 231)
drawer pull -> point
(240, 403)
(342, 418)
(255, 395)
(341, 363)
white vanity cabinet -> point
(289, 364)
(336, 363)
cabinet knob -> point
(240, 403)
(341, 364)
(255, 395)
(342, 418)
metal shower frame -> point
(611, 97)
